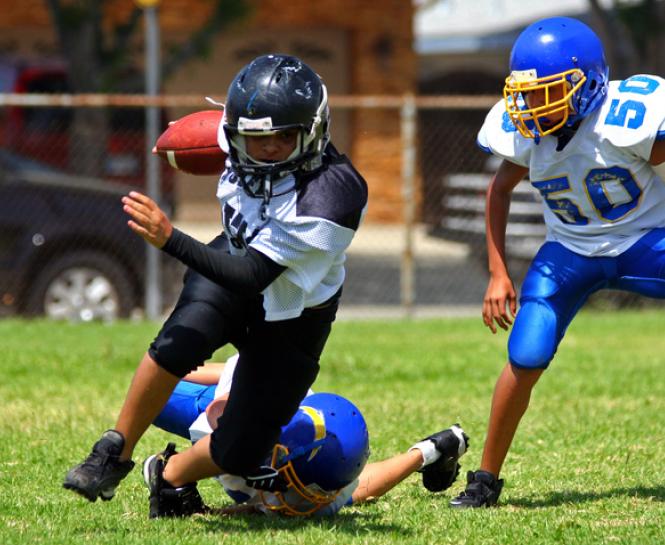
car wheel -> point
(82, 287)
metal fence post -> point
(153, 276)
(408, 135)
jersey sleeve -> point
(307, 248)
(499, 136)
(633, 115)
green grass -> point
(586, 466)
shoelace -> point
(97, 458)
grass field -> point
(586, 467)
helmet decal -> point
(319, 427)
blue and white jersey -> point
(306, 227)
(600, 194)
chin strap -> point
(267, 194)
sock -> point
(428, 450)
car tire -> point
(82, 286)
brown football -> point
(190, 143)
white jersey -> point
(600, 194)
(305, 228)
(235, 486)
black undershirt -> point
(564, 135)
(247, 274)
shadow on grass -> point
(352, 523)
(656, 493)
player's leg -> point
(186, 403)
(277, 365)
(557, 284)
(198, 325)
(379, 477)
(148, 392)
(641, 269)
(439, 452)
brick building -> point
(358, 48)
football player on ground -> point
(588, 145)
(320, 456)
(269, 284)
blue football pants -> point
(559, 282)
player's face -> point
(272, 148)
(540, 97)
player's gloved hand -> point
(266, 478)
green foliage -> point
(641, 20)
(82, 34)
(586, 466)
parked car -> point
(65, 248)
(46, 133)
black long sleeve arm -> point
(250, 273)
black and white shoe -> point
(482, 490)
(451, 443)
(100, 473)
(167, 500)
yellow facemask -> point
(299, 499)
(536, 122)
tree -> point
(100, 60)
(633, 33)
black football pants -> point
(278, 362)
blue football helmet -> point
(321, 450)
(275, 93)
(563, 60)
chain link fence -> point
(65, 249)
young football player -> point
(588, 145)
(269, 284)
(320, 456)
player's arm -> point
(206, 374)
(658, 152)
(379, 477)
(500, 296)
(249, 273)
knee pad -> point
(175, 356)
(535, 336)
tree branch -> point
(225, 13)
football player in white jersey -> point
(269, 284)
(321, 452)
(589, 146)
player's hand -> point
(148, 219)
(266, 478)
(215, 410)
(500, 303)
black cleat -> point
(101, 472)
(452, 443)
(167, 500)
(482, 490)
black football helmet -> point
(271, 94)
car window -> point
(7, 79)
(47, 119)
